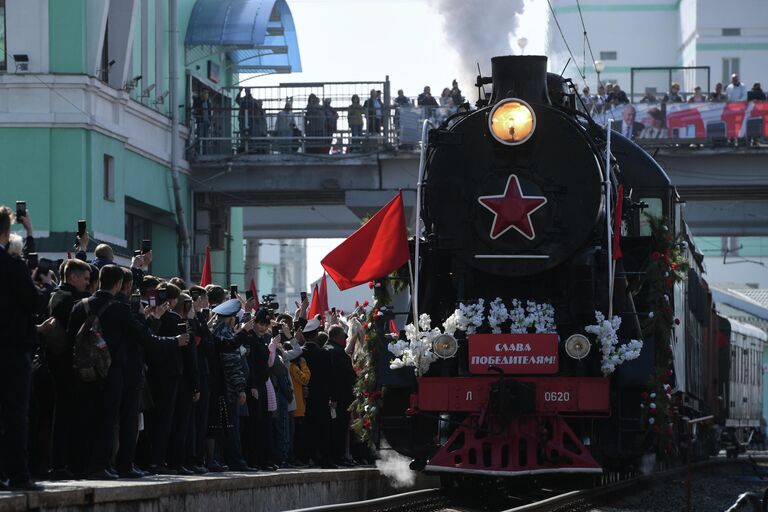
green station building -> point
(87, 112)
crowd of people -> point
(611, 95)
(314, 128)
(110, 372)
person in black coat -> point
(165, 372)
(206, 356)
(138, 341)
(18, 304)
(318, 414)
(342, 393)
(73, 288)
(259, 434)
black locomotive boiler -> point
(516, 256)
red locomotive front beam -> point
(584, 395)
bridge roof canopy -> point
(259, 36)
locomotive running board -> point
(527, 445)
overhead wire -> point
(565, 41)
(586, 37)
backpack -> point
(56, 340)
(92, 357)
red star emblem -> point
(512, 210)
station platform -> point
(255, 492)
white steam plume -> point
(396, 468)
(478, 30)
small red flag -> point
(373, 251)
(319, 303)
(313, 306)
(252, 287)
(69, 255)
(393, 327)
(205, 276)
(617, 223)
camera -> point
(146, 246)
(268, 302)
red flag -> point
(373, 251)
(252, 287)
(69, 255)
(319, 303)
(393, 327)
(205, 276)
(617, 223)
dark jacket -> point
(18, 302)
(344, 375)
(169, 363)
(258, 361)
(320, 386)
(138, 340)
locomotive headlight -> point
(512, 121)
(445, 346)
(577, 346)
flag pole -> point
(415, 292)
(609, 217)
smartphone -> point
(32, 260)
(303, 296)
(182, 328)
(246, 318)
(333, 310)
(152, 298)
(162, 296)
(81, 226)
(194, 295)
(137, 253)
(233, 291)
(275, 330)
(248, 294)
(21, 209)
(135, 303)
(146, 246)
(206, 313)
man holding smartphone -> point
(18, 304)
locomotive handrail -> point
(608, 216)
(419, 184)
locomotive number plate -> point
(558, 395)
(513, 353)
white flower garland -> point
(613, 353)
(416, 349)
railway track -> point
(537, 500)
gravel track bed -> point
(712, 490)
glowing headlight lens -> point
(512, 121)
(577, 346)
(445, 346)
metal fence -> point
(307, 118)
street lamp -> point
(522, 43)
(599, 68)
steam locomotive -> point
(519, 201)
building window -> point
(731, 32)
(730, 66)
(109, 178)
(3, 61)
(608, 56)
(137, 229)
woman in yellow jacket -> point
(300, 376)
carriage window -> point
(654, 210)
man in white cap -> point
(318, 413)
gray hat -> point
(313, 324)
(227, 308)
